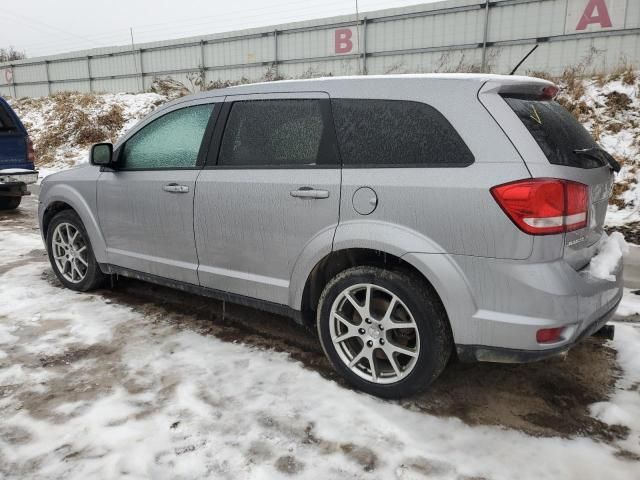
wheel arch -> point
(62, 197)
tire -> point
(84, 277)
(10, 203)
(417, 325)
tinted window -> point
(171, 141)
(556, 131)
(394, 132)
(276, 132)
(6, 123)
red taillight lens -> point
(31, 153)
(550, 92)
(549, 335)
(544, 206)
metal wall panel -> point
(445, 36)
(78, 86)
(237, 52)
(71, 69)
(29, 73)
(633, 14)
(39, 90)
(112, 66)
(170, 59)
(117, 85)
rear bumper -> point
(479, 353)
(14, 183)
(509, 301)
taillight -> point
(550, 92)
(544, 206)
(31, 153)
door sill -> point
(271, 307)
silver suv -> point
(407, 218)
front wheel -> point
(10, 203)
(385, 332)
(70, 253)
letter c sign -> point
(8, 75)
(343, 43)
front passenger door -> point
(145, 206)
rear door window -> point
(290, 133)
(556, 131)
(396, 133)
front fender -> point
(62, 192)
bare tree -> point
(10, 54)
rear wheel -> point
(70, 253)
(10, 203)
(386, 332)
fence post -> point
(89, 73)
(364, 46)
(202, 65)
(485, 36)
(46, 72)
(275, 52)
(141, 71)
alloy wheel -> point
(70, 252)
(374, 333)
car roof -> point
(329, 84)
(357, 86)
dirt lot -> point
(549, 398)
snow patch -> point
(630, 304)
(610, 252)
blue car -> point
(17, 159)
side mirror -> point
(102, 154)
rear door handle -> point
(175, 188)
(308, 192)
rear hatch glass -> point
(557, 132)
(566, 143)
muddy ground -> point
(548, 398)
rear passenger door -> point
(272, 190)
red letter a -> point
(589, 16)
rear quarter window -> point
(555, 130)
(396, 133)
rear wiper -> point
(598, 153)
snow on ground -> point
(630, 304)
(615, 123)
(93, 389)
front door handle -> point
(175, 188)
(308, 192)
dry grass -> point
(73, 119)
(617, 102)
